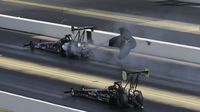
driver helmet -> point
(118, 84)
(68, 37)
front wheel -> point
(32, 45)
(122, 100)
(62, 53)
(72, 92)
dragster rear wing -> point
(82, 28)
(126, 73)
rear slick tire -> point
(139, 99)
(72, 92)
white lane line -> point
(107, 15)
(103, 32)
(40, 101)
(150, 40)
(31, 20)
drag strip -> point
(25, 69)
(54, 12)
(94, 81)
(164, 24)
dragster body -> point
(67, 46)
(77, 46)
(115, 94)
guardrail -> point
(156, 48)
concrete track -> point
(144, 19)
(23, 79)
(169, 93)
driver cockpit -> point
(117, 86)
(66, 39)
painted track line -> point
(40, 101)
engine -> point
(76, 49)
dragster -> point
(67, 46)
(116, 94)
(79, 45)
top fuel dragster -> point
(77, 46)
(67, 46)
(116, 94)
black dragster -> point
(116, 94)
(68, 46)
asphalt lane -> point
(162, 69)
(65, 17)
(146, 8)
(50, 89)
